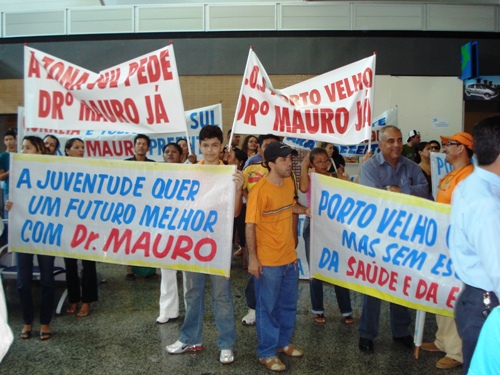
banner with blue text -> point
(388, 245)
(145, 214)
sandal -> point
(320, 318)
(273, 363)
(72, 308)
(44, 336)
(347, 319)
(25, 335)
(84, 310)
(291, 351)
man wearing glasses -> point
(475, 237)
(459, 150)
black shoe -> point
(365, 345)
(130, 277)
(406, 341)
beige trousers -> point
(447, 338)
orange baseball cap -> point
(461, 137)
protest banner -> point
(119, 145)
(388, 245)
(121, 212)
(388, 117)
(336, 105)
(142, 95)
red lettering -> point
(34, 66)
(182, 247)
(142, 243)
(452, 297)
(212, 249)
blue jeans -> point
(222, 305)
(316, 286)
(469, 318)
(368, 325)
(24, 281)
(276, 291)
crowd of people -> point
(266, 214)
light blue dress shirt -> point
(377, 173)
(475, 230)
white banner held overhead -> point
(142, 95)
(335, 107)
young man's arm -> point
(254, 266)
(299, 209)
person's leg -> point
(315, 285)
(169, 295)
(267, 290)
(46, 264)
(400, 320)
(343, 300)
(250, 292)
(222, 304)
(24, 280)
(194, 296)
(72, 280)
(89, 282)
(286, 310)
(370, 316)
(447, 338)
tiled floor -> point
(121, 337)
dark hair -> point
(487, 140)
(420, 147)
(244, 148)
(240, 155)
(211, 131)
(37, 142)
(179, 148)
(54, 138)
(142, 136)
(263, 137)
(10, 132)
(434, 141)
(69, 144)
(315, 152)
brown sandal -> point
(273, 364)
(347, 319)
(72, 308)
(320, 318)
(84, 310)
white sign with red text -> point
(388, 245)
(146, 214)
(335, 107)
(142, 95)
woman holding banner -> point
(169, 295)
(317, 161)
(34, 145)
(75, 148)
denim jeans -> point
(469, 318)
(316, 286)
(24, 281)
(276, 291)
(369, 322)
(222, 305)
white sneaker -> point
(249, 319)
(226, 356)
(179, 347)
(163, 319)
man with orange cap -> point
(459, 149)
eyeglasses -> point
(486, 302)
(448, 144)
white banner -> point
(145, 214)
(334, 107)
(439, 168)
(388, 245)
(119, 145)
(389, 117)
(142, 95)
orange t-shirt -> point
(269, 207)
(449, 182)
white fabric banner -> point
(142, 95)
(334, 107)
(439, 168)
(389, 117)
(145, 214)
(119, 145)
(388, 245)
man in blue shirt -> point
(10, 141)
(475, 237)
(391, 171)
